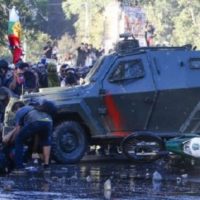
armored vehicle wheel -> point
(69, 142)
(142, 147)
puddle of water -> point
(87, 181)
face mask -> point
(20, 80)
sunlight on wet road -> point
(103, 180)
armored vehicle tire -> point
(143, 147)
(69, 142)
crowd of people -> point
(26, 77)
(87, 55)
(29, 121)
(23, 77)
(33, 128)
(77, 65)
(34, 122)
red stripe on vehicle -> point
(113, 113)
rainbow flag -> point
(14, 35)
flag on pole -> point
(14, 35)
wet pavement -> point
(104, 179)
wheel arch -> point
(72, 116)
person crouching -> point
(30, 122)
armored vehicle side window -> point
(128, 70)
(194, 63)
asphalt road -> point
(101, 178)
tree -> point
(177, 22)
(34, 44)
(89, 26)
(187, 23)
(161, 13)
(31, 12)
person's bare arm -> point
(11, 135)
(13, 84)
(45, 50)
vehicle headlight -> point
(192, 147)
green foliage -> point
(177, 22)
(89, 26)
(34, 44)
(66, 44)
(5, 53)
(31, 13)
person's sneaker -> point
(36, 161)
(35, 156)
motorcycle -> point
(147, 147)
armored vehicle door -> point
(177, 78)
(129, 94)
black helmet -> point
(3, 64)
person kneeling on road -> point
(31, 121)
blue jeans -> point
(41, 128)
